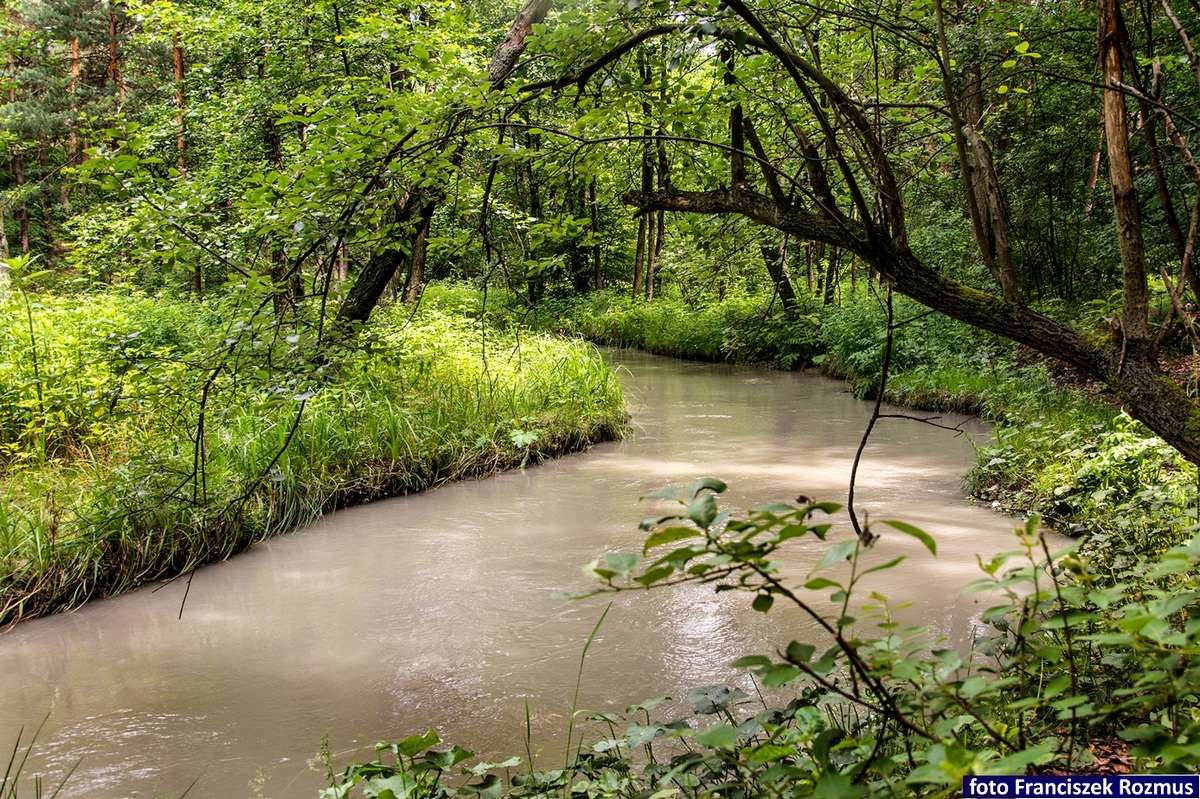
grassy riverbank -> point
(1067, 454)
(1062, 449)
(149, 436)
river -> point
(442, 609)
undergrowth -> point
(153, 436)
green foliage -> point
(1077, 460)
(871, 707)
(740, 329)
(105, 486)
(1093, 472)
(853, 336)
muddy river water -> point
(443, 610)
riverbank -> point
(1069, 455)
(141, 438)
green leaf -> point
(703, 483)
(703, 510)
(768, 752)
(800, 653)
(668, 535)
(916, 532)
(838, 553)
(722, 736)
(832, 785)
(750, 662)
(417, 743)
(780, 675)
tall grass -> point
(99, 492)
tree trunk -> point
(737, 142)
(180, 119)
(774, 258)
(831, 273)
(73, 148)
(18, 167)
(594, 207)
(981, 188)
(651, 238)
(416, 270)
(113, 71)
(639, 256)
(1120, 171)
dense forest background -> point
(261, 260)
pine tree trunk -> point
(18, 167)
(113, 71)
(73, 147)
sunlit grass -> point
(103, 510)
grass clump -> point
(156, 436)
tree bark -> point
(597, 263)
(639, 256)
(18, 167)
(651, 237)
(737, 142)
(416, 271)
(1126, 213)
(180, 119)
(985, 205)
(831, 274)
(995, 212)
(73, 148)
(113, 70)
(4, 253)
(773, 257)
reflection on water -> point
(441, 609)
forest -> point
(883, 315)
